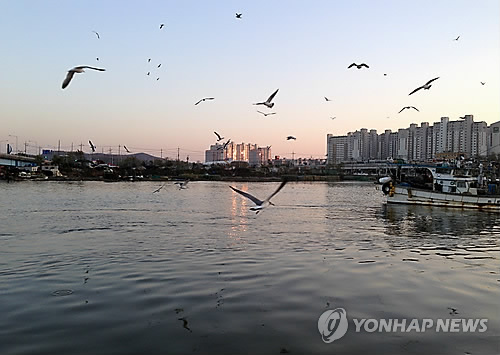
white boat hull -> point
(412, 196)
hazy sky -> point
(301, 47)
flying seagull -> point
(333, 117)
(206, 98)
(92, 146)
(456, 39)
(224, 145)
(97, 34)
(124, 147)
(409, 107)
(238, 15)
(327, 99)
(291, 137)
(482, 83)
(259, 205)
(97, 58)
(426, 86)
(148, 73)
(72, 72)
(161, 187)
(266, 114)
(157, 79)
(359, 66)
(268, 102)
(219, 138)
(159, 65)
(182, 184)
(149, 60)
(161, 26)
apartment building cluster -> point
(250, 153)
(445, 139)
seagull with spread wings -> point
(238, 15)
(259, 204)
(266, 114)
(219, 138)
(206, 98)
(291, 137)
(268, 102)
(182, 184)
(409, 107)
(426, 86)
(124, 147)
(359, 66)
(79, 69)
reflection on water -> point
(100, 268)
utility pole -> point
(71, 147)
(119, 153)
(161, 153)
(25, 147)
(178, 149)
(81, 147)
(111, 155)
(59, 147)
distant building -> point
(233, 152)
(463, 137)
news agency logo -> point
(333, 325)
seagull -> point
(161, 26)
(359, 66)
(259, 205)
(291, 137)
(482, 83)
(327, 99)
(426, 86)
(148, 73)
(409, 107)
(128, 151)
(238, 15)
(161, 187)
(92, 146)
(266, 114)
(159, 65)
(456, 39)
(219, 138)
(182, 184)
(72, 72)
(224, 145)
(333, 117)
(97, 59)
(97, 34)
(268, 101)
(385, 74)
(206, 98)
(157, 79)
(149, 60)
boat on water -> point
(442, 186)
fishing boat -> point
(442, 186)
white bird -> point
(359, 66)
(238, 15)
(259, 204)
(482, 82)
(97, 34)
(206, 98)
(268, 102)
(79, 69)
(266, 114)
(426, 86)
(219, 138)
(327, 99)
(161, 187)
(182, 184)
(409, 107)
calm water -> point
(101, 268)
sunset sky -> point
(301, 47)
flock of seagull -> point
(259, 204)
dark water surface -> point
(110, 268)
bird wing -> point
(217, 134)
(247, 195)
(161, 187)
(352, 65)
(415, 108)
(209, 98)
(283, 183)
(68, 78)
(402, 109)
(271, 113)
(364, 65)
(96, 34)
(199, 102)
(430, 81)
(415, 90)
(272, 96)
(326, 98)
(260, 111)
(87, 67)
